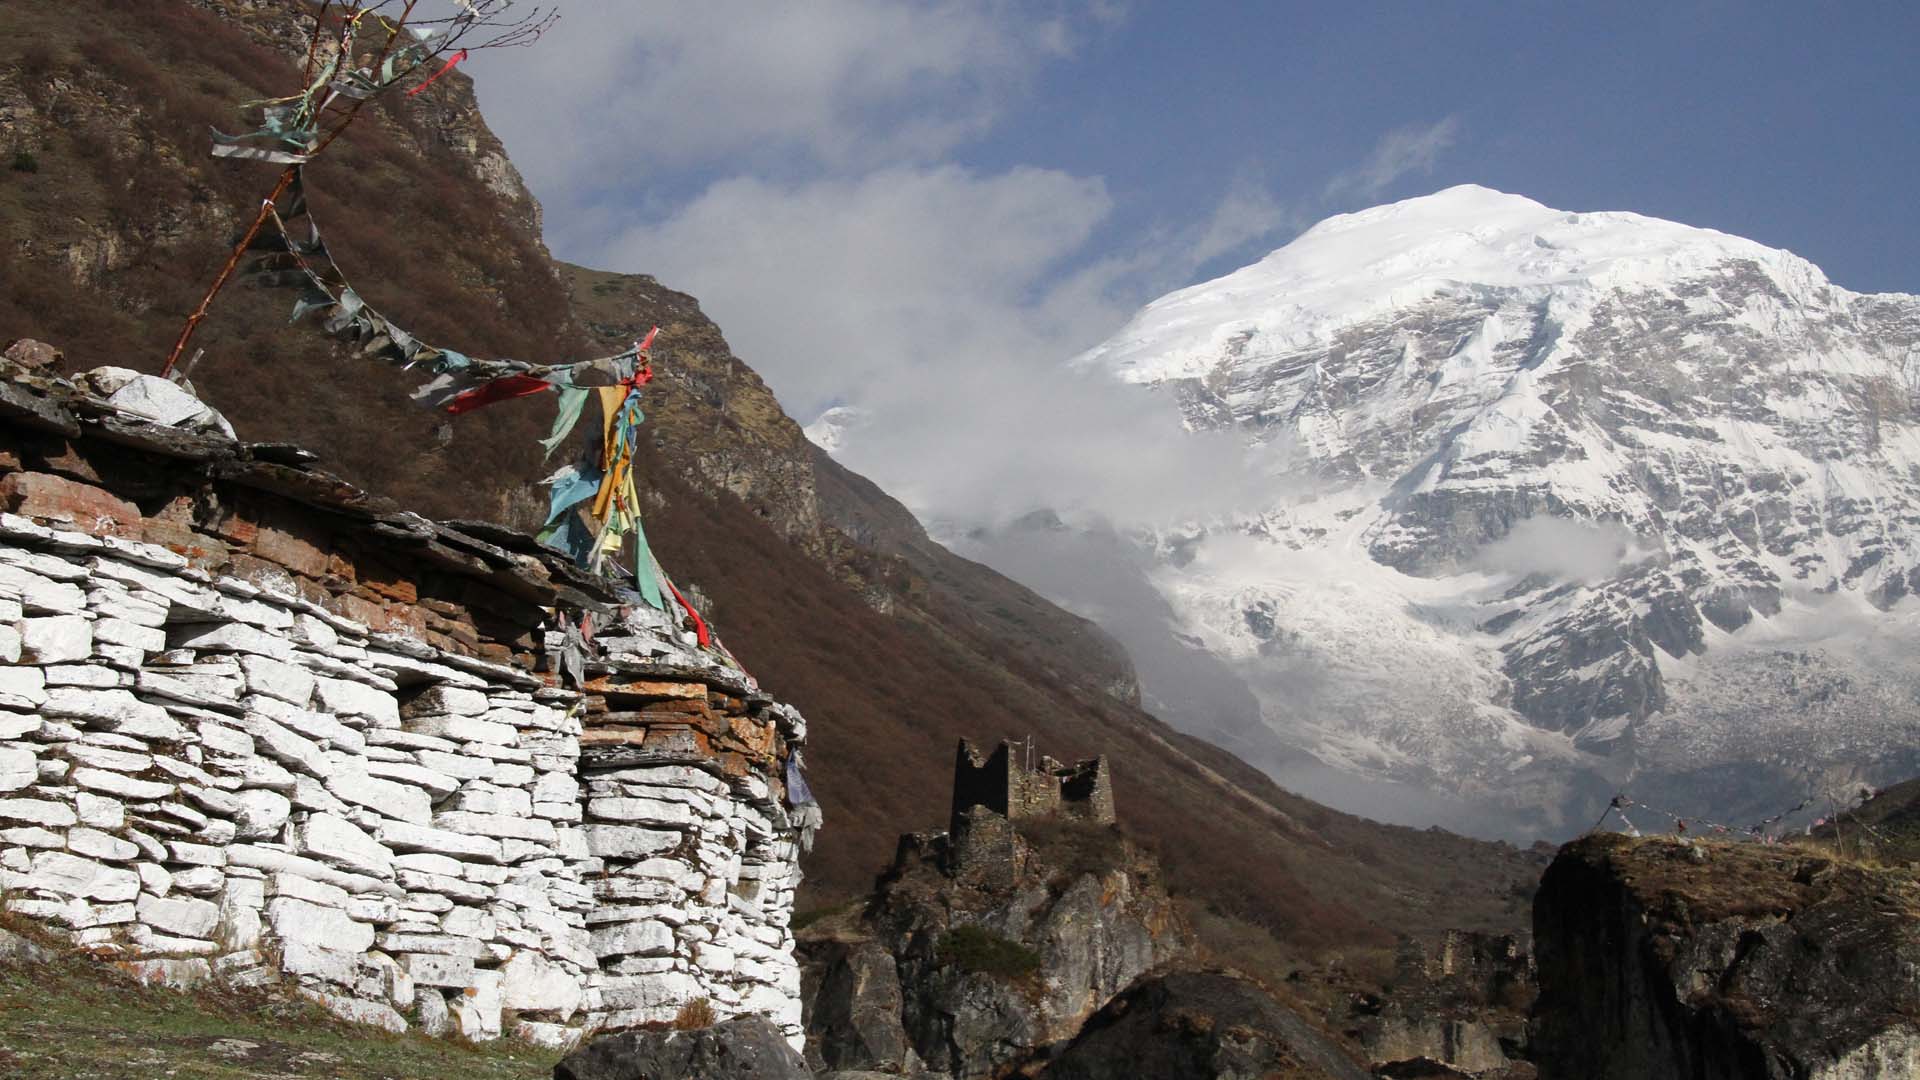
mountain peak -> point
(1563, 490)
(1463, 239)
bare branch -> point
(338, 84)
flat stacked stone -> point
(210, 765)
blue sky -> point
(925, 209)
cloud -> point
(830, 286)
(793, 169)
(1399, 153)
(619, 91)
(1561, 549)
(940, 301)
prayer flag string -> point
(594, 505)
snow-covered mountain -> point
(1577, 502)
(829, 430)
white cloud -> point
(620, 90)
(787, 163)
(1249, 211)
(1561, 549)
(830, 286)
(937, 300)
(1402, 152)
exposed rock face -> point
(1461, 1004)
(1666, 959)
(747, 1048)
(1000, 946)
(853, 987)
(1562, 494)
(1200, 1026)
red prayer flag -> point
(501, 389)
(448, 66)
(699, 624)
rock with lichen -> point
(1660, 958)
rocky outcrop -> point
(1460, 1004)
(1200, 1026)
(747, 1048)
(852, 986)
(984, 948)
(1661, 958)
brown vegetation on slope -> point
(121, 225)
(826, 587)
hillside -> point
(824, 587)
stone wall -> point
(255, 725)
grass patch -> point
(76, 1016)
(813, 915)
(1072, 849)
(979, 951)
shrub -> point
(694, 1015)
(1074, 848)
(24, 161)
(979, 951)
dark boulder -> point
(853, 1020)
(1460, 1001)
(1200, 1026)
(743, 1048)
(1420, 1068)
(1662, 959)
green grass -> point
(73, 1017)
(980, 951)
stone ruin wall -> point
(1000, 781)
(256, 725)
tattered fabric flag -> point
(700, 630)
(644, 574)
(805, 810)
(564, 530)
(573, 400)
(456, 58)
(504, 389)
(286, 260)
(573, 657)
(571, 486)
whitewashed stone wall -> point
(208, 777)
(695, 891)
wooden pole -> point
(233, 262)
(279, 189)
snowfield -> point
(1578, 502)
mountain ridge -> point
(1559, 491)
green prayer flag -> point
(643, 575)
(572, 400)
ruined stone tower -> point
(1004, 783)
